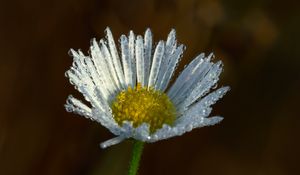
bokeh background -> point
(257, 40)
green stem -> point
(136, 157)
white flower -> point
(148, 110)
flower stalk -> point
(136, 157)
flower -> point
(128, 90)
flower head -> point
(129, 90)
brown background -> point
(256, 40)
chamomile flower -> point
(129, 93)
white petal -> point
(102, 70)
(189, 125)
(115, 57)
(185, 75)
(157, 58)
(80, 76)
(169, 50)
(127, 65)
(127, 129)
(106, 120)
(76, 106)
(167, 131)
(109, 61)
(142, 132)
(131, 46)
(161, 134)
(111, 142)
(206, 102)
(193, 114)
(147, 51)
(195, 77)
(96, 94)
(203, 87)
(140, 64)
(171, 42)
(171, 66)
(98, 81)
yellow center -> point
(141, 105)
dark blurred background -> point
(256, 40)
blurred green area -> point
(256, 40)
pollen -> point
(143, 105)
